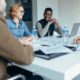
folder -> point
(41, 54)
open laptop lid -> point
(75, 29)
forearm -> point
(58, 29)
(43, 31)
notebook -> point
(48, 56)
(41, 54)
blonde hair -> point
(14, 9)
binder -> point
(41, 54)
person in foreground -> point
(46, 26)
(17, 26)
(10, 48)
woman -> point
(17, 26)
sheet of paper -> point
(50, 50)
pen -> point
(45, 45)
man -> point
(46, 26)
(10, 48)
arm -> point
(11, 49)
(58, 29)
(43, 31)
(26, 31)
(27, 36)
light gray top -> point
(43, 31)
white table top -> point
(61, 68)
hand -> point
(26, 40)
(29, 39)
(53, 20)
(77, 40)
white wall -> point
(76, 7)
(69, 12)
(42, 4)
(66, 12)
(38, 9)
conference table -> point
(65, 67)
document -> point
(55, 50)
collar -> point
(20, 22)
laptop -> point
(75, 29)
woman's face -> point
(19, 13)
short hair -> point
(48, 9)
(14, 9)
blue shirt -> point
(20, 31)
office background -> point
(66, 11)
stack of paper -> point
(56, 49)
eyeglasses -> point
(21, 11)
(48, 14)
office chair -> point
(75, 29)
(17, 77)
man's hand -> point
(28, 39)
(77, 40)
(54, 20)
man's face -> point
(20, 13)
(2, 6)
(48, 15)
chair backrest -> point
(75, 29)
(18, 77)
